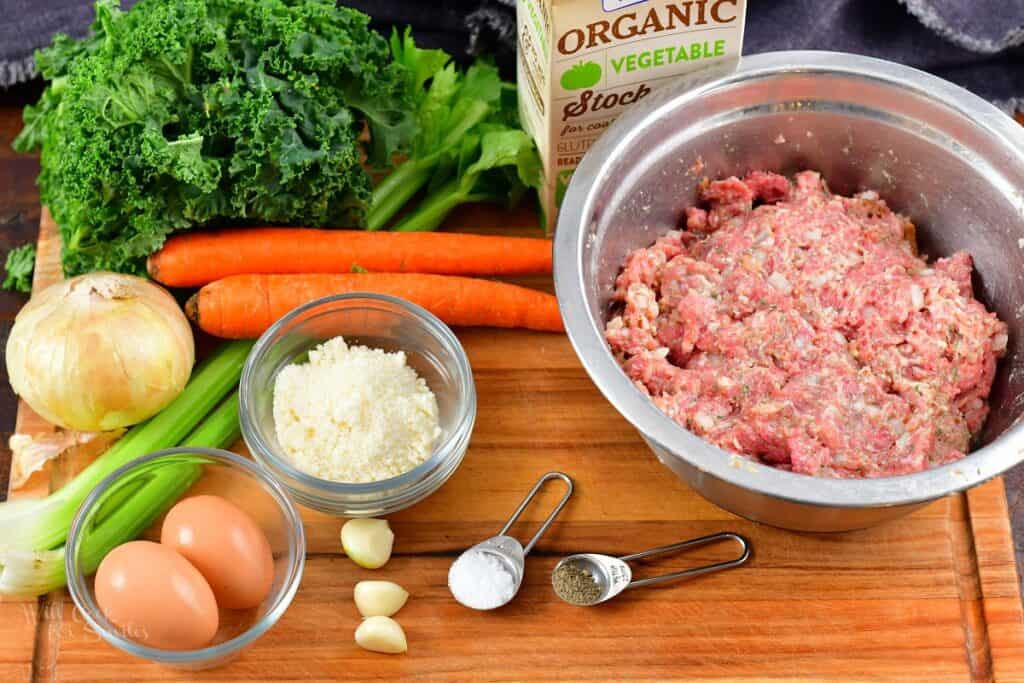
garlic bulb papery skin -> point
(100, 351)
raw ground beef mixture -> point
(806, 333)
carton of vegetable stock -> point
(582, 62)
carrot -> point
(197, 258)
(244, 306)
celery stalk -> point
(392, 193)
(168, 484)
(27, 572)
(433, 210)
(43, 524)
(220, 429)
(402, 184)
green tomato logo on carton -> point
(582, 75)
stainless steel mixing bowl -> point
(948, 159)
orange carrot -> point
(244, 306)
(197, 258)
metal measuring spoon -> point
(612, 575)
(510, 552)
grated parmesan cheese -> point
(354, 414)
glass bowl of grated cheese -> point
(341, 424)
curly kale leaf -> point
(21, 261)
(178, 113)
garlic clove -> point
(367, 542)
(381, 634)
(379, 598)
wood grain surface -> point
(930, 597)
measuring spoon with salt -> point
(498, 556)
(591, 578)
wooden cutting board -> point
(930, 597)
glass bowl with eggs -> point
(359, 404)
(208, 575)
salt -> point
(480, 580)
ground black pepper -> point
(575, 585)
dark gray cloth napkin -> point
(976, 43)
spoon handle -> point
(696, 571)
(526, 501)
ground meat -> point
(801, 329)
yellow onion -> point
(100, 351)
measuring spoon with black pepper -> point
(591, 578)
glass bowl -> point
(373, 320)
(194, 471)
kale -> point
(21, 261)
(179, 113)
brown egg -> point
(225, 545)
(155, 597)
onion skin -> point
(100, 351)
